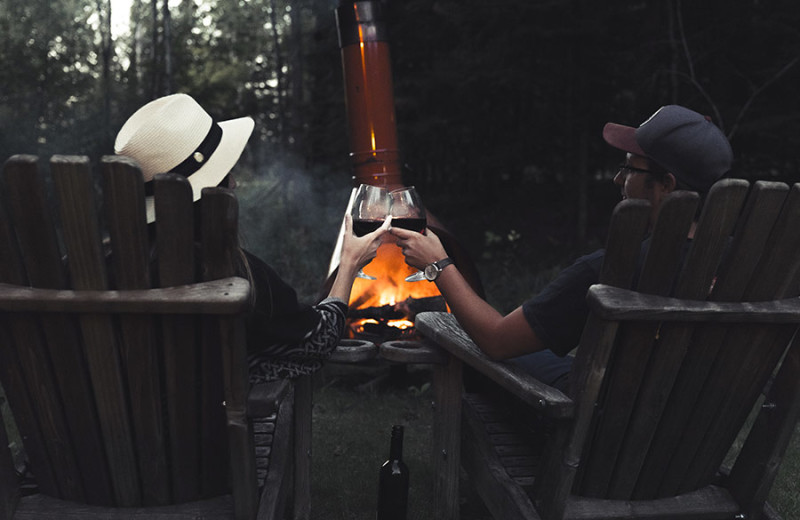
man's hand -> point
(419, 250)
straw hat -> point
(175, 134)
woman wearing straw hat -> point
(285, 338)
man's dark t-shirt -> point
(558, 313)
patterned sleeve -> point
(291, 360)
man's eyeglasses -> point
(627, 168)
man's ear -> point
(670, 183)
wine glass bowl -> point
(369, 209)
(408, 212)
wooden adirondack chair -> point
(665, 377)
(126, 371)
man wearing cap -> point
(676, 148)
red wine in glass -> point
(413, 224)
(408, 212)
(363, 226)
(369, 208)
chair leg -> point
(447, 439)
(304, 394)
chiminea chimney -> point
(369, 96)
(374, 149)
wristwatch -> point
(432, 270)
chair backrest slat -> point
(177, 266)
(219, 230)
(48, 383)
(87, 267)
(123, 192)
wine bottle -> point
(393, 481)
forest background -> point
(499, 104)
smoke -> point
(290, 217)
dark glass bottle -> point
(393, 482)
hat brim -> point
(235, 134)
(622, 137)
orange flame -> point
(390, 269)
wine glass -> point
(369, 210)
(408, 212)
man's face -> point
(636, 182)
(634, 179)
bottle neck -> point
(396, 447)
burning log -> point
(406, 309)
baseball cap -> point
(685, 143)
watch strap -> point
(444, 262)
(433, 270)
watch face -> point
(431, 273)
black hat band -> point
(198, 158)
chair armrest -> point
(443, 329)
(615, 304)
(264, 399)
(223, 296)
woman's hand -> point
(356, 253)
(419, 250)
(359, 251)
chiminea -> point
(375, 159)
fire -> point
(390, 288)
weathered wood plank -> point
(87, 269)
(273, 494)
(612, 303)
(757, 465)
(41, 507)
(760, 212)
(446, 446)
(634, 347)
(741, 370)
(25, 415)
(51, 341)
(629, 222)
(443, 329)
(708, 503)
(130, 246)
(301, 446)
(177, 266)
(224, 367)
(503, 496)
(224, 296)
(716, 223)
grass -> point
(352, 421)
(354, 410)
(352, 425)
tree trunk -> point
(106, 53)
(167, 21)
(155, 79)
(279, 75)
